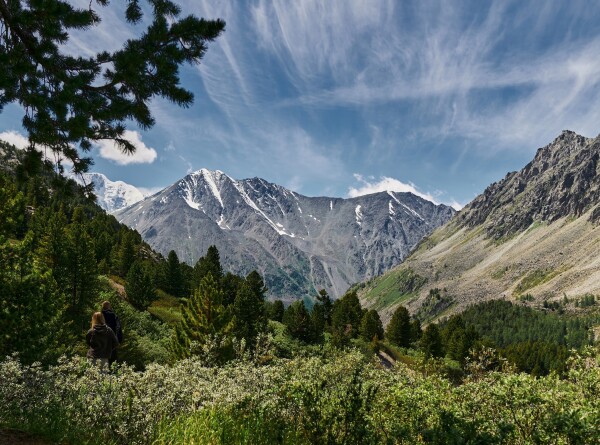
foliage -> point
(339, 399)
(249, 312)
(139, 288)
(431, 342)
(275, 310)
(371, 328)
(398, 331)
(345, 319)
(297, 321)
(71, 100)
(204, 319)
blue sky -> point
(345, 97)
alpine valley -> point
(299, 244)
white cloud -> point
(143, 154)
(386, 184)
(15, 138)
(149, 191)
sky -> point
(342, 98)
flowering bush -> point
(338, 399)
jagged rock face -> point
(562, 180)
(110, 195)
(299, 244)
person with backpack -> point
(113, 322)
(101, 341)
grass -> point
(166, 308)
(228, 426)
(533, 279)
(397, 287)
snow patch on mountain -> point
(110, 195)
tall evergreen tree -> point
(82, 268)
(249, 312)
(371, 327)
(127, 254)
(210, 263)
(324, 299)
(297, 321)
(275, 310)
(203, 319)
(431, 342)
(139, 287)
(174, 276)
(345, 319)
(230, 283)
(398, 330)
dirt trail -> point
(386, 360)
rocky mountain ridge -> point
(562, 180)
(300, 244)
(532, 237)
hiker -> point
(101, 340)
(113, 322)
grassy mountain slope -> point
(532, 237)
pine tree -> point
(324, 299)
(431, 342)
(230, 284)
(345, 319)
(174, 276)
(275, 310)
(249, 312)
(398, 330)
(139, 288)
(317, 323)
(82, 269)
(203, 319)
(127, 254)
(371, 327)
(210, 263)
(72, 100)
(297, 321)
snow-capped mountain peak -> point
(111, 195)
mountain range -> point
(299, 244)
(532, 237)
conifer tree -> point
(317, 323)
(297, 321)
(249, 312)
(431, 342)
(371, 327)
(82, 269)
(126, 253)
(203, 318)
(324, 299)
(174, 275)
(345, 319)
(210, 263)
(275, 310)
(71, 100)
(398, 330)
(230, 283)
(139, 288)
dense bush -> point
(340, 399)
